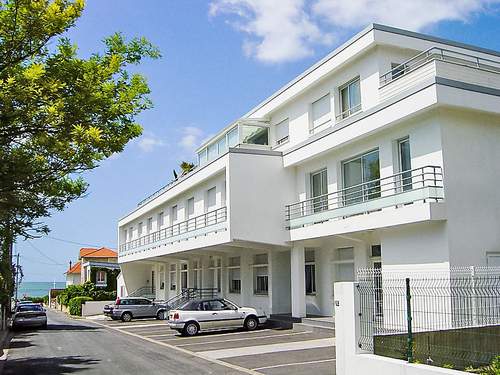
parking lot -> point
(265, 351)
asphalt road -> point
(71, 346)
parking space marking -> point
(245, 338)
(294, 364)
(185, 351)
(214, 335)
(270, 348)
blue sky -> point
(220, 58)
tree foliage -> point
(60, 114)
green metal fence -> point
(446, 318)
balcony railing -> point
(185, 229)
(420, 184)
(436, 53)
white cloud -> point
(149, 142)
(413, 15)
(276, 30)
(287, 30)
(191, 138)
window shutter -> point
(321, 111)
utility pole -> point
(18, 271)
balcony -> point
(421, 184)
(209, 222)
(439, 62)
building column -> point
(297, 274)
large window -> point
(139, 229)
(281, 132)
(173, 277)
(254, 135)
(260, 275)
(361, 178)
(350, 98)
(320, 113)
(173, 214)
(319, 189)
(234, 273)
(184, 276)
(130, 233)
(150, 225)
(160, 220)
(404, 159)
(190, 207)
(211, 199)
(310, 272)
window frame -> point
(312, 128)
(345, 113)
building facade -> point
(377, 156)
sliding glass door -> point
(319, 189)
(361, 178)
(405, 163)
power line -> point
(73, 242)
(55, 262)
(40, 262)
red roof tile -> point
(103, 252)
(76, 268)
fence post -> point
(408, 318)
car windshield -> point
(24, 308)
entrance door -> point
(343, 265)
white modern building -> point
(382, 154)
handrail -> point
(418, 178)
(436, 53)
(202, 221)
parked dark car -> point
(29, 315)
(129, 308)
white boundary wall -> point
(94, 307)
(351, 360)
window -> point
(254, 135)
(319, 187)
(150, 224)
(139, 229)
(161, 275)
(202, 157)
(184, 276)
(125, 235)
(160, 220)
(376, 251)
(361, 178)
(232, 137)
(310, 270)
(190, 207)
(344, 264)
(173, 214)
(218, 305)
(260, 274)
(222, 145)
(212, 151)
(281, 132)
(234, 272)
(173, 277)
(397, 70)
(320, 112)
(100, 277)
(130, 233)
(210, 203)
(350, 98)
(404, 159)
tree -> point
(60, 114)
(186, 167)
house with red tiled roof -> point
(98, 265)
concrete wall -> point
(94, 307)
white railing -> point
(186, 227)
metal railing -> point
(442, 54)
(411, 180)
(188, 294)
(447, 318)
(144, 291)
(202, 221)
(348, 112)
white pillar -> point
(297, 274)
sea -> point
(38, 289)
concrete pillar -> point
(297, 273)
(246, 274)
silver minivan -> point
(129, 308)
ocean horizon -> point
(38, 288)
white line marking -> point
(246, 338)
(215, 335)
(293, 364)
(185, 351)
(269, 348)
(137, 325)
(5, 354)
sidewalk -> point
(5, 337)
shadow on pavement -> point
(14, 344)
(69, 327)
(48, 366)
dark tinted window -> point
(23, 308)
(144, 302)
(190, 305)
(217, 305)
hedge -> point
(75, 305)
(88, 289)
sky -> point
(220, 58)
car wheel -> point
(126, 317)
(191, 329)
(160, 315)
(251, 324)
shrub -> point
(44, 299)
(75, 305)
